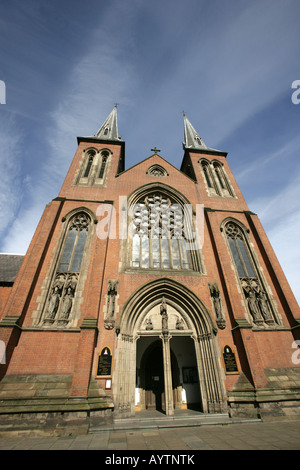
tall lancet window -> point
(88, 167)
(258, 302)
(225, 188)
(103, 162)
(207, 174)
(215, 178)
(60, 301)
(161, 235)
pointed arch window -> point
(58, 309)
(225, 187)
(159, 237)
(74, 246)
(93, 167)
(217, 171)
(207, 174)
(258, 302)
(216, 180)
(157, 170)
(88, 166)
(239, 251)
(104, 157)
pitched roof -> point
(9, 266)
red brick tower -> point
(149, 288)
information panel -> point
(230, 361)
(104, 363)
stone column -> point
(167, 374)
(202, 376)
(124, 377)
(215, 392)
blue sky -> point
(229, 64)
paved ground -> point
(246, 436)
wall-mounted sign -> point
(230, 361)
(108, 384)
(104, 363)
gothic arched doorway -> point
(153, 374)
(142, 323)
(150, 383)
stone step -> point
(158, 422)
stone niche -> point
(152, 321)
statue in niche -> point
(54, 298)
(73, 283)
(149, 324)
(215, 294)
(67, 301)
(263, 305)
(164, 314)
(112, 292)
(179, 324)
(250, 292)
(53, 303)
(67, 304)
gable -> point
(156, 161)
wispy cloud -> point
(223, 63)
(280, 216)
(10, 170)
(101, 76)
(261, 161)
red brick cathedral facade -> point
(149, 288)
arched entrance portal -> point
(150, 389)
(166, 355)
(150, 386)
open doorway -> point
(150, 377)
(183, 348)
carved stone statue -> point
(112, 292)
(257, 302)
(215, 294)
(67, 304)
(179, 324)
(164, 314)
(252, 304)
(149, 324)
(53, 303)
(262, 303)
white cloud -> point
(289, 149)
(280, 216)
(284, 238)
(10, 170)
(101, 76)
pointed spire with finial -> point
(109, 129)
(193, 141)
(191, 136)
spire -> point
(109, 129)
(191, 136)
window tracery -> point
(58, 310)
(258, 302)
(158, 234)
(157, 170)
(215, 178)
(94, 167)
